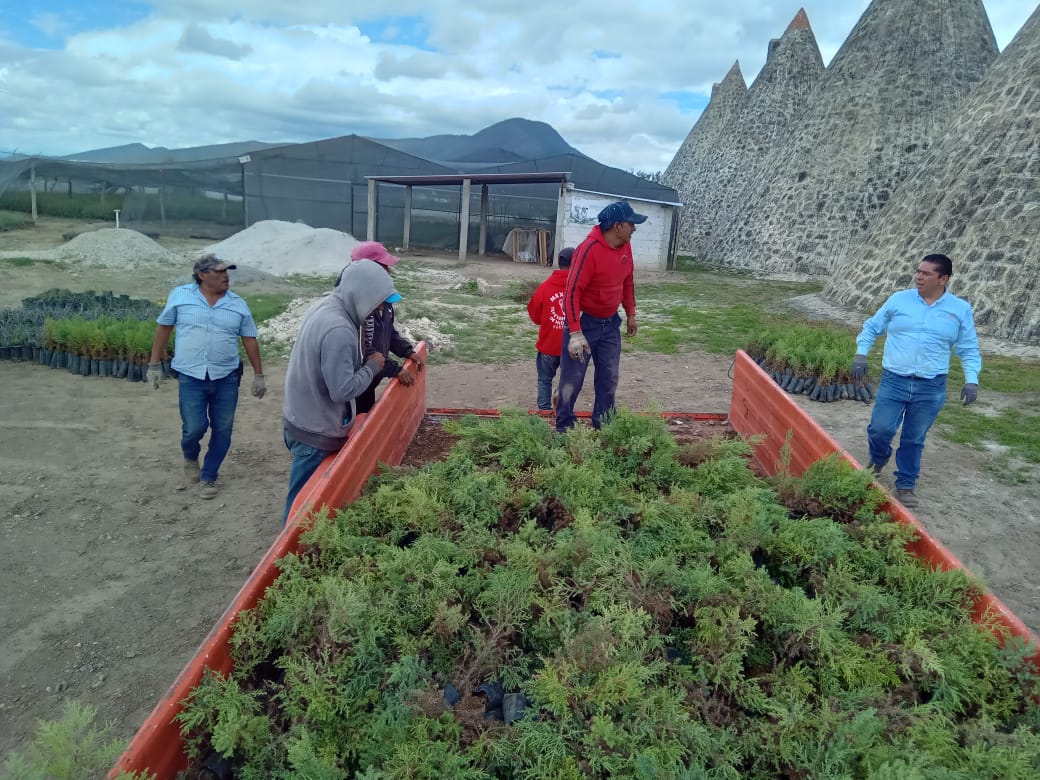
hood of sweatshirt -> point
(363, 286)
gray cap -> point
(211, 262)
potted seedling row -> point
(812, 361)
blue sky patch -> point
(398, 30)
(688, 102)
(46, 24)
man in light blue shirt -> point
(210, 319)
(923, 325)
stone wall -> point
(692, 171)
(887, 96)
(976, 199)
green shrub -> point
(656, 609)
(72, 747)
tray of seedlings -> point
(616, 603)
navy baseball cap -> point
(619, 212)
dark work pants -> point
(604, 337)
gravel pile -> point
(284, 248)
(116, 248)
(286, 325)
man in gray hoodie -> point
(327, 371)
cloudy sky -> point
(621, 81)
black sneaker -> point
(906, 497)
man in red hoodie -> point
(546, 311)
(601, 279)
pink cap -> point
(373, 250)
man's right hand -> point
(578, 347)
(378, 358)
(406, 377)
(153, 375)
(859, 367)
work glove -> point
(259, 386)
(153, 375)
(859, 367)
(406, 377)
(578, 348)
(969, 393)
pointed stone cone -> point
(776, 101)
(889, 93)
(689, 170)
(976, 199)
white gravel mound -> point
(285, 248)
(285, 327)
(116, 248)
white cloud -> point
(197, 72)
(196, 38)
(50, 24)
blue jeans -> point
(914, 403)
(207, 404)
(305, 461)
(547, 365)
(604, 337)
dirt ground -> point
(112, 572)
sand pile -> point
(116, 248)
(285, 248)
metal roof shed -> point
(465, 181)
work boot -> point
(208, 490)
(877, 468)
(191, 471)
(906, 497)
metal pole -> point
(372, 201)
(32, 189)
(162, 198)
(407, 239)
(482, 245)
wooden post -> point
(464, 219)
(407, 239)
(32, 190)
(484, 200)
(370, 231)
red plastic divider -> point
(759, 406)
(382, 436)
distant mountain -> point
(139, 154)
(511, 140)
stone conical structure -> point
(776, 101)
(890, 92)
(690, 171)
(977, 199)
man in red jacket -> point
(546, 311)
(600, 280)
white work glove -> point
(153, 375)
(259, 386)
(578, 347)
